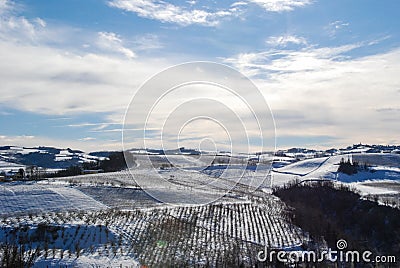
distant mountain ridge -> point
(47, 157)
(61, 158)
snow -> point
(377, 173)
(67, 155)
(304, 167)
(188, 160)
(316, 168)
(189, 185)
(355, 150)
(62, 158)
(88, 261)
(65, 152)
(64, 155)
(115, 238)
(180, 186)
(22, 150)
(5, 165)
(378, 159)
(8, 166)
(14, 153)
(386, 170)
(23, 198)
(372, 190)
(140, 151)
(28, 151)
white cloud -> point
(208, 16)
(40, 22)
(20, 30)
(108, 130)
(87, 139)
(191, 2)
(17, 28)
(267, 63)
(322, 91)
(281, 5)
(147, 42)
(39, 78)
(52, 81)
(87, 144)
(95, 126)
(167, 12)
(334, 27)
(113, 43)
(5, 6)
(339, 24)
(284, 40)
(240, 3)
(319, 90)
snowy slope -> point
(7, 166)
(22, 198)
(47, 157)
(304, 167)
(379, 180)
(316, 168)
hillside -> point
(333, 213)
(179, 209)
(45, 157)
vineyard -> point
(108, 220)
(211, 235)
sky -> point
(329, 70)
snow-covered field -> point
(107, 220)
(24, 197)
(172, 236)
(382, 177)
(81, 230)
(8, 166)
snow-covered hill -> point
(12, 157)
(107, 220)
(382, 177)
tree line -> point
(328, 212)
(115, 162)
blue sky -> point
(328, 69)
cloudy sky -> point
(330, 70)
